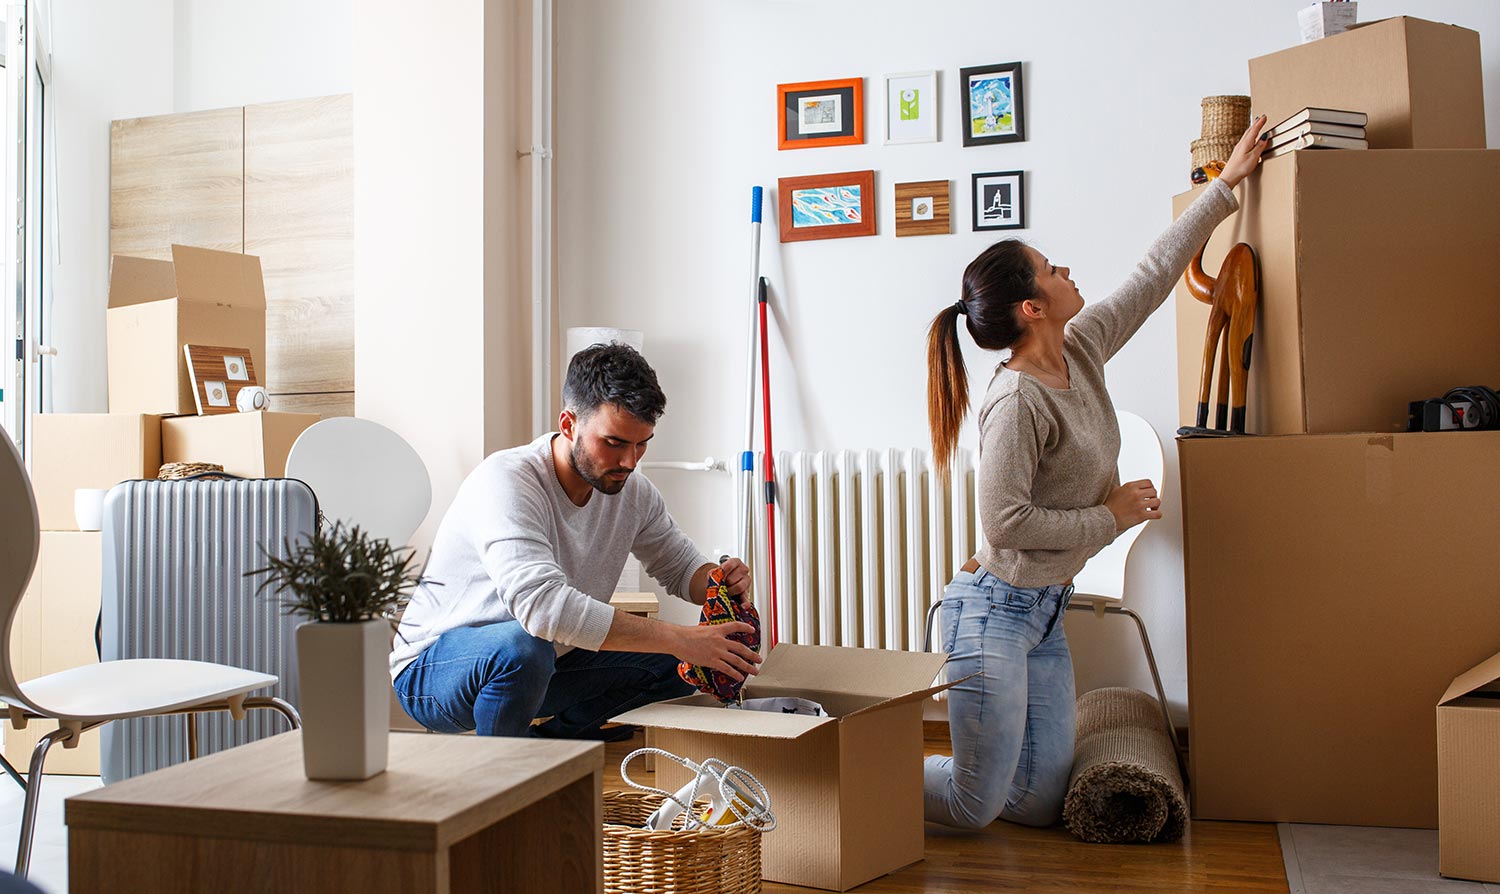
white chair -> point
(364, 474)
(87, 697)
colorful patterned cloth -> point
(721, 608)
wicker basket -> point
(177, 471)
(1205, 151)
(696, 862)
(1225, 116)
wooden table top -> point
(436, 790)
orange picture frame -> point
(839, 105)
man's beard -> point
(594, 476)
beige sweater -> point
(1047, 456)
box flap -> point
(207, 276)
(701, 718)
(1474, 679)
(873, 672)
(139, 280)
(912, 696)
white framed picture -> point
(911, 107)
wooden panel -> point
(554, 845)
(332, 403)
(940, 222)
(177, 178)
(299, 218)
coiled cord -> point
(1484, 401)
(737, 786)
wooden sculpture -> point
(1232, 298)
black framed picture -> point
(1000, 201)
(994, 104)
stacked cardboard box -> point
(1323, 621)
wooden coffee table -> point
(451, 813)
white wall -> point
(666, 119)
(234, 53)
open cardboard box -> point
(847, 788)
(1468, 741)
(88, 450)
(250, 445)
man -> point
(512, 621)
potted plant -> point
(350, 587)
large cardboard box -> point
(88, 450)
(846, 788)
(1378, 275)
(1420, 82)
(54, 631)
(201, 297)
(1335, 586)
(1468, 737)
(250, 445)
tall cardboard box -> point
(1378, 275)
(201, 297)
(1468, 739)
(250, 445)
(846, 788)
(54, 631)
(88, 450)
(1333, 593)
(1420, 82)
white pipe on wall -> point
(541, 215)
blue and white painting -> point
(991, 105)
(826, 206)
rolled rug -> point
(1125, 787)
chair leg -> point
(12, 772)
(266, 702)
(192, 736)
(33, 794)
(927, 628)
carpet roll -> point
(1125, 787)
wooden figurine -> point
(1232, 298)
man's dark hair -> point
(613, 374)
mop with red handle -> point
(772, 628)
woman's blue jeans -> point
(1013, 724)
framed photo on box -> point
(911, 107)
(993, 102)
(922, 209)
(217, 375)
(1000, 201)
(820, 113)
(826, 206)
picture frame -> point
(923, 208)
(812, 114)
(999, 200)
(993, 104)
(911, 107)
(217, 375)
(826, 206)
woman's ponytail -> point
(947, 388)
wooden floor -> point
(1237, 857)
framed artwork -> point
(993, 104)
(217, 375)
(1000, 201)
(922, 209)
(820, 113)
(826, 206)
(911, 108)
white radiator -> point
(865, 542)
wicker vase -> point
(1205, 151)
(702, 861)
(1225, 116)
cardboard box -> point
(88, 450)
(847, 788)
(250, 445)
(1420, 82)
(200, 297)
(54, 631)
(1333, 592)
(1377, 272)
(1468, 738)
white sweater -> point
(514, 547)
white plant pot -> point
(344, 673)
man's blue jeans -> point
(497, 678)
(1012, 725)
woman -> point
(1049, 498)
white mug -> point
(88, 508)
(250, 399)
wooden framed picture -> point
(922, 209)
(1000, 201)
(826, 206)
(993, 102)
(217, 375)
(911, 108)
(820, 113)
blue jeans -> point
(1013, 725)
(497, 678)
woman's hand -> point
(1133, 503)
(1246, 154)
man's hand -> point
(709, 646)
(737, 576)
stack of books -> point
(1318, 129)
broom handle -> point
(770, 463)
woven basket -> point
(1225, 116)
(176, 471)
(696, 862)
(1205, 151)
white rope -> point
(736, 786)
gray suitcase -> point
(174, 586)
